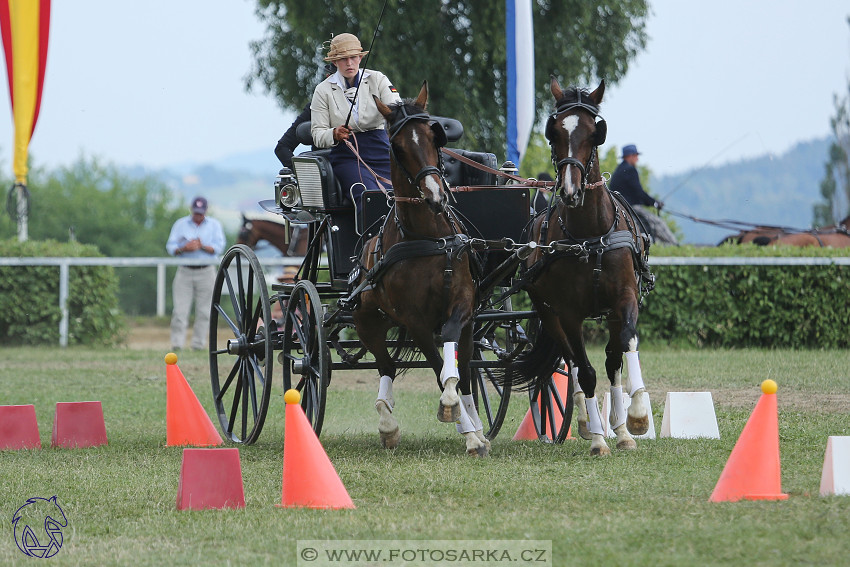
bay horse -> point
(835, 236)
(590, 263)
(760, 235)
(416, 274)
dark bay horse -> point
(291, 240)
(590, 262)
(416, 274)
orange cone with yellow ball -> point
(186, 421)
(752, 471)
(309, 478)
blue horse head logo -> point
(38, 527)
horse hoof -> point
(481, 451)
(390, 439)
(627, 445)
(603, 451)
(448, 414)
(483, 439)
(637, 425)
(583, 431)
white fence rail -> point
(160, 264)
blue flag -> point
(520, 44)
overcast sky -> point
(160, 82)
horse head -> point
(246, 235)
(415, 147)
(574, 131)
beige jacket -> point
(329, 107)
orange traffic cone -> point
(752, 471)
(526, 430)
(309, 478)
(187, 423)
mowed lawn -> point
(646, 507)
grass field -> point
(647, 507)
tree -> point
(458, 46)
(835, 187)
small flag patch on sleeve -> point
(393, 89)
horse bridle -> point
(414, 180)
(584, 168)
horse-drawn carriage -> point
(432, 261)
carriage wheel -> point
(306, 355)
(491, 398)
(240, 345)
(552, 406)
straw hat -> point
(344, 45)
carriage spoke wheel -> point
(552, 407)
(306, 355)
(240, 345)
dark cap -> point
(630, 150)
(199, 205)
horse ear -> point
(556, 89)
(601, 133)
(596, 96)
(382, 108)
(422, 100)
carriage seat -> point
(317, 183)
(460, 174)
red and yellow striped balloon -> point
(25, 26)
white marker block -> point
(835, 478)
(627, 401)
(689, 415)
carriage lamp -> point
(286, 189)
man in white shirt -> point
(196, 236)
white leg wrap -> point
(574, 373)
(635, 377)
(617, 415)
(449, 362)
(469, 405)
(385, 392)
(464, 424)
(594, 421)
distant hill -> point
(772, 190)
(776, 190)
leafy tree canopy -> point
(458, 46)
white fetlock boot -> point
(469, 405)
(637, 421)
(464, 425)
(617, 419)
(387, 424)
(594, 425)
(449, 409)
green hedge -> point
(748, 306)
(29, 297)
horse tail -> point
(534, 365)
